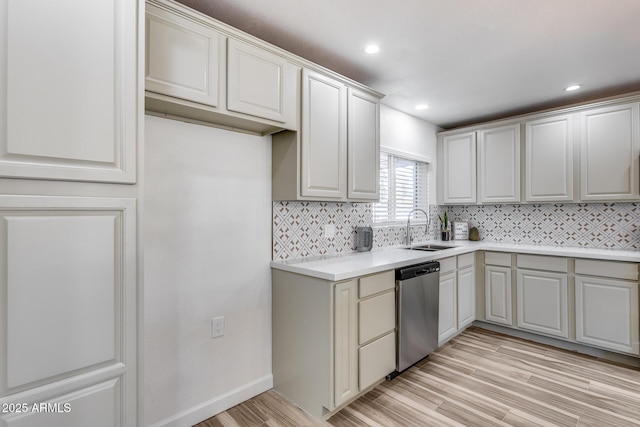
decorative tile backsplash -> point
(593, 225)
(298, 226)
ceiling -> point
(470, 60)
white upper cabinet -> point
(549, 159)
(182, 57)
(255, 81)
(324, 137)
(459, 168)
(68, 90)
(609, 152)
(200, 69)
(363, 146)
(499, 164)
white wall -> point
(207, 228)
(401, 134)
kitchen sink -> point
(429, 248)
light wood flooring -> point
(480, 378)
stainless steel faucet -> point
(426, 227)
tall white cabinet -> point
(70, 121)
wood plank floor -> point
(480, 378)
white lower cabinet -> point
(497, 287)
(447, 314)
(331, 340)
(457, 296)
(466, 297)
(607, 313)
(542, 302)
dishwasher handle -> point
(411, 271)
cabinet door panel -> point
(364, 146)
(255, 81)
(95, 406)
(447, 313)
(497, 285)
(459, 168)
(499, 164)
(549, 159)
(182, 57)
(466, 297)
(607, 313)
(542, 302)
(324, 137)
(345, 337)
(609, 151)
(68, 89)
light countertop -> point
(353, 264)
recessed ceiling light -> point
(372, 48)
(422, 106)
(572, 88)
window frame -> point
(420, 192)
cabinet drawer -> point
(376, 360)
(618, 270)
(376, 283)
(447, 264)
(497, 258)
(466, 260)
(546, 263)
(376, 316)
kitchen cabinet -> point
(202, 70)
(69, 114)
(589, 153)
(323, 164)
(331, 340)
(363, 159)
(499, 164)
(459, 168)
(336, 155)
(448, 307)
(70, 111)
(456, 295)
(255, 81)
(609, 153)
(606, 301)
(497, 286)
(466, 290)
(549, 159)
(542, 302)
(182, 57)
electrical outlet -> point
(329, 231)
(217, 327)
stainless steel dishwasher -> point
(418, 301)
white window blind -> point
(404, 185)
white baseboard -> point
(208, 409)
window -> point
(404, 185)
